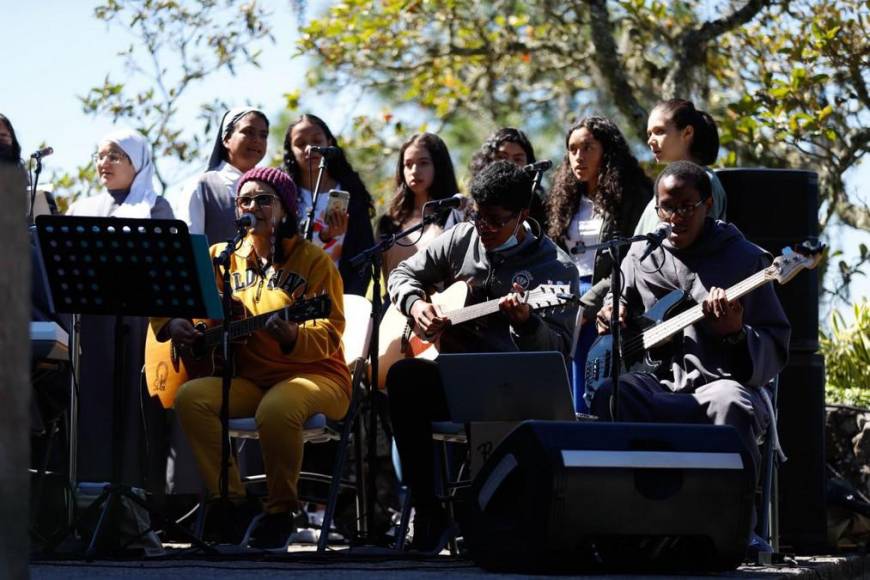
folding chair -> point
(767, 526)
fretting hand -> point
(282, 331)
(724, 317)
(514, 306)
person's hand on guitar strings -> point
(182, 332)
(515, 307)
(282, 331)
(430, 321)
(602, 319)
(724, 317)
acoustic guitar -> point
(645, 350)
(401, 338)
(168, 367)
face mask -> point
(511, 241)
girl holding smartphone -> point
(341, 223)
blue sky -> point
(61, 51)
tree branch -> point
(612, 70)
(692, 45)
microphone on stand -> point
(40, 153)
(327, 152)
(457, 200)
(246, 222)
(655, 238)
(539, 166)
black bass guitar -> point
(642, 350)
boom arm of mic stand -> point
(315, 195)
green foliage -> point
(205, 37)
(847, 357)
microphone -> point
(246, 222)
(40, 153)
(327, 152)
(539, 166)
(655, 238)
(456, 200)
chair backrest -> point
(357, 328)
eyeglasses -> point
(113, 158)
(489, 224)
(262, 200)
(667, 213)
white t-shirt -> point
(584, 229)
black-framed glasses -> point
(488, 223)
(262, 200)
(667, 213)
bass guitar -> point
(401, 338)
(168, 367)
(642, 350)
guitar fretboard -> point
(537, 299)
(661, 332)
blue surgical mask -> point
(511, 241)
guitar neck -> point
(474, 311)
(661, 332)
(250, 325)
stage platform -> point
(346, 565)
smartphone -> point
(338, 201)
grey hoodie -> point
(459, 255)
(720, 257)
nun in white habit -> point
(124, 166)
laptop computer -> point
(506, 386)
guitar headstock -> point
(308, 309)
(546, 296)
(803, 256)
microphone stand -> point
(33, 187)
(222, 262)
(614, 247)
(372, 259)
(309, 223)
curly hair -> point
(489, 149)
(11, 153)
(339, 167)
(619, 175)
(443, 184)
(705, 138)
(503, 184)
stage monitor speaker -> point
(775, 208)
(802, 479)
(565, 496)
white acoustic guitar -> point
(399, 339)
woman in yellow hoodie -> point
(284, 373)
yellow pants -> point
(280, 413)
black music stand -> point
(117, 267)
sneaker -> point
(432, 531)
(273, 531)
(757, 547)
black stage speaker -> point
(565, 496)
(775, 208)
(802, 488)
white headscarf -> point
(142, 196)
(228, 121)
